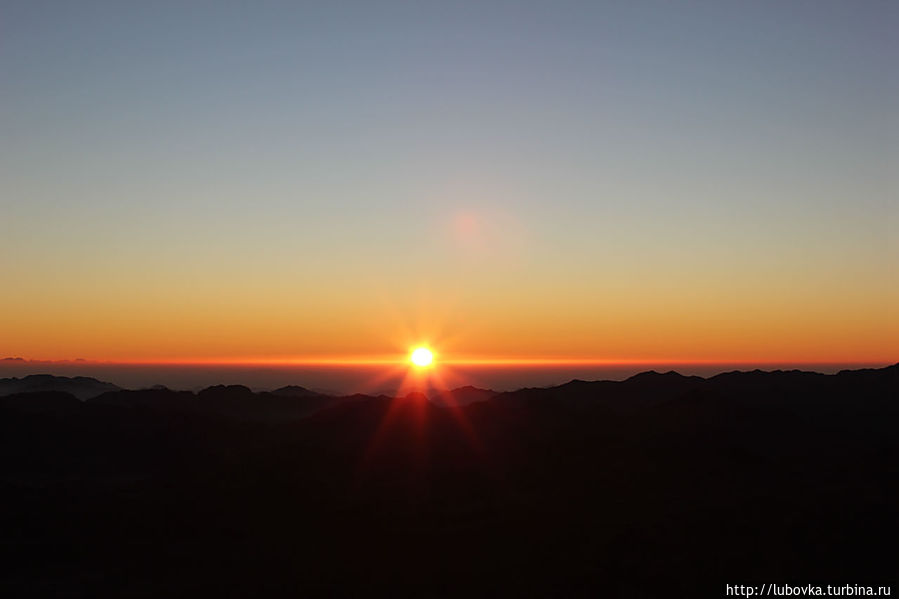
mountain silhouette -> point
(658, 485)
(460, 396)
(294, 391)
(80, 386)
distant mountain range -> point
(81, 387)
(226, 397)
(639, 391)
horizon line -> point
(395, 360)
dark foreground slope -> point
(659, 486)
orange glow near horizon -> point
(382, 334)
(481, 330)
(401, 360)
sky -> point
(235, 181)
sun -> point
(422, 356)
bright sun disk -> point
(422, 356)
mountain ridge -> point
(632, 488)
